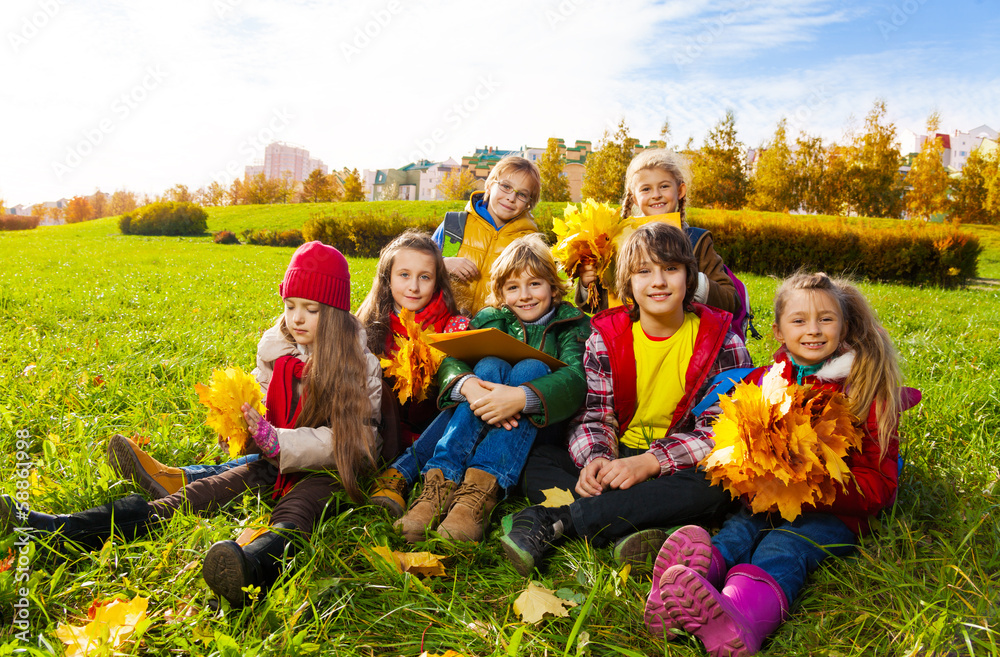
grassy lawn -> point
(108, 334)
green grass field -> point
(106, 334)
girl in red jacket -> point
(732, 590)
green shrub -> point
(363, 233)
(908, 252)
(225, 237)
(265, 237)
(165, 218)
(18, 222)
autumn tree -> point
(719, 172)
(98, 204)
(555, 185)
(991, 179)
(319, 188)
(78, 209)
(236, 194)
(354, 190)
(604, 176)
(458, 185)
(874, 184)
(179, 193)
(122, 201)
(39, 210)
(819, 181)
(927, 181)
(390, 192)
(774, 179)
(970, 192)
(212, 195)
(664, 140)
(260, 190)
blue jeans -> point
(787, 551)
(196, 472)
(416, 455)
(468, 442)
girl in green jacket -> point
(498, 407)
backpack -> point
(454, 232)
(743, 317)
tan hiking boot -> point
(471, 508)
(389, 492)
(130, 462)
(426, 511)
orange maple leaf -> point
(414, 363)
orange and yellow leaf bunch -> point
(782, 446)
(414, 363)
(227, 391)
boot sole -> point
(225, 573)
(122, 460)
(523, 562)
(692, 604)
(395, 509)
(685, 546)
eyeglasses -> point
(507, 188)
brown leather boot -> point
(130, 462)
(426, 511)
(389, 492)
(471, 508)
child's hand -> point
(261, 431)
(252, 418)
(627, 472)
(472, 389)
(462, 268)
(589, 483)
(501, 405)
(588, 274)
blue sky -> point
(142, 96)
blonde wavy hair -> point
(525, 254)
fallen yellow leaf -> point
(112, 624)
(418, 563)
(450, 653)
(556, 497)
(536, 601)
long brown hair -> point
(657, 158)
(335, 394)
(875, 375)
(377, 308)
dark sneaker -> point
(531, 534)
(639, 549)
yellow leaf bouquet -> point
(413, 365)
(227, 391)
(782, 445)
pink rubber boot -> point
(734, 621)
(689, 546)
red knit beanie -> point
(318, 273)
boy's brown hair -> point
(515, 163)
(660, 243)
(525, 254)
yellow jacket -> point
(482, 244)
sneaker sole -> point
(122, 460)
(522, 561)
(692, 603)
(639, 549)
(685, 546)
(223, 571)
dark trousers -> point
(301, 506)
(684, 497)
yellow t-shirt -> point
(660, 366)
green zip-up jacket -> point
(561, 392)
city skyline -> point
(106, 94)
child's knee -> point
(528, 370)
(492, 369)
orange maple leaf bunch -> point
(782, 445)
(227, 391)
(414, 363)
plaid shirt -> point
(594, 431)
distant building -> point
(417, 181)
(283, 160)
(957, 146)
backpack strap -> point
(694, 234)
(721, 384)
(454, 233)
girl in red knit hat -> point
(322, 391)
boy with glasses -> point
(471, 240)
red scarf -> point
(435, 314)
(288, 372)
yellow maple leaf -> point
(418, 563)
(588, 234)
(449, 653)
(227, 391)
(414, 363)
(556, 497)
(782, 446)
(112, 624)
(536, 601)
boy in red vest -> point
(634, 445)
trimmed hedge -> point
(362, 233)
(18, 222)
(909, 252)
(265, 237)
(165, 218)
